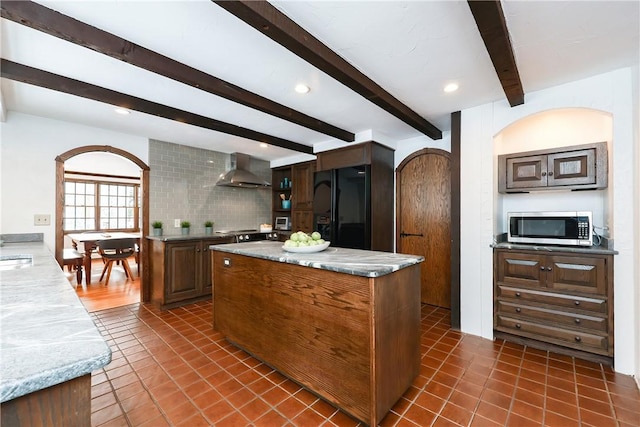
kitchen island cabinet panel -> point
(349, 337)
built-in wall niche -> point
(549, 130)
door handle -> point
(403, 234)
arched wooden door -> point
(423, 220)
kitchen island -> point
(49, 344)
(343, 323)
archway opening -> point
(141, 223)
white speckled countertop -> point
(350, 261)
(46, 335)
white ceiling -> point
(410, 48)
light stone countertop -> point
(46, 335)
(350, 261)
(599, 250)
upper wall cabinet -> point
(579, 167)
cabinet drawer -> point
(598, 305)
(564, 318)
(578, 340)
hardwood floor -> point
(119, 292)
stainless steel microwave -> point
(550, 228)
(283, 223)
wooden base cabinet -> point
(561, 301)
(181, 270)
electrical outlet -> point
(176, 223)
(42, 219)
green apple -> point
(315, 235)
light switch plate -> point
(42, 219)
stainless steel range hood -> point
(239, 175)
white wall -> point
(29, 147)
(611, 93)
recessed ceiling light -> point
(264, 145)
(451, 87)
(122, 111)
(301, 88)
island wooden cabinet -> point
(352, 340)
(578, 167)
(561, 299)
(181, 270)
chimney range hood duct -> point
(239, 175)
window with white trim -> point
(101, 203)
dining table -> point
(90, 242)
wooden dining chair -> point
(73, 260)
(116, 250)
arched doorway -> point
(144, 220)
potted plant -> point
(157, 228)
(208, 227)
(185, 227)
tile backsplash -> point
(182, 186)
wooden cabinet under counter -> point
(181, 269)
(555, 300)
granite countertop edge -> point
(47, 336)
(362, 262)
(549, 248)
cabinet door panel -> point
(302, 221)
(302, 183)
(578, 274)
(527, 172)
(520, 269)
(182, 272)
(571, 168)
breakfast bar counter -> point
(48, 342)
(343, 323)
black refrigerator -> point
(341, 206)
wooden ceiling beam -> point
(492, 25)
(64, 27)
(277, 26)
(25, 74)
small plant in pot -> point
(185, 227)
(157, 228)
(208, 227)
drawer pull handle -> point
(542, 268)
(518, 294)
(518, 325)
(578, 339)
(577, 303)
(548, 268)
(518, 310)
(578, 321)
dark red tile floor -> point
(171, 369)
